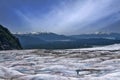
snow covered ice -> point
(100, 63)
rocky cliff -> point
(7, 40)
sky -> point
(59, 16)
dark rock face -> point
(7, 40)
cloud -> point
(74, 16)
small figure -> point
(77, 72)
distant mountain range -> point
(42, 40)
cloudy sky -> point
(59, 16)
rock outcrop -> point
(7, 40)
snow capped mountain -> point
(47, 40)
(34, 33)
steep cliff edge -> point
(7, 40)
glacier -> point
(98, 63)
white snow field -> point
(101, 63)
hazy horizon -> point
(67, 17)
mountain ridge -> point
(7, 40)
(56, 41)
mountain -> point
(98, 35)
(7, 40)
(55, 41)
(42, 40)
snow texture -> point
(100, 63)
